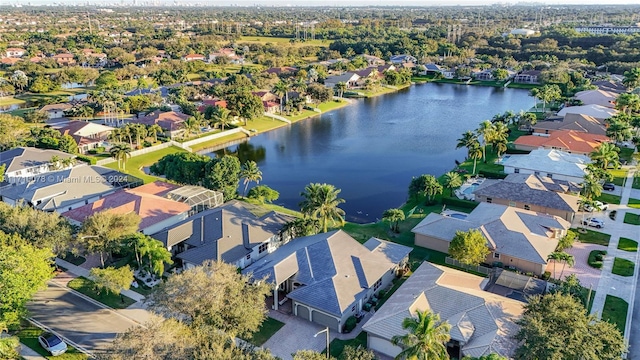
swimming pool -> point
(469, 189)
(502, 159)
(458, 216)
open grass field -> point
(29, 337)
(615, 312)
(135, 164)
(282, 40)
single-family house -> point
(193, 57)
(212, 102)
(349, 78)
(597, 97)
(266, 96)
(432, 69)
(527, 77)
(231, 233)
(575, 122)
(554, 164)
(270, 107)
(65, 59)
(372, 60)
(171, 122)
(402, 58)
(10, 61)
(386, 67)
(517, 238)
(228, 53)
(610, 86)
(329, 277)
(156, 210)
(25, 163)
(525, 32)
(56, 111)
(532, 192)
(282, 70)
(484, 75)
(67, 189)
(13, 52)
(482, 323)
(88, 135)
(573, 142)
(596, 111)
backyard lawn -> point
(87, 287)
(268, 328)
(29, 337)
(615, 311)
(136, 163)
(632, 219)
(592, 237)
(628, 245)
(623, 267)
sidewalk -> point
(29, 354)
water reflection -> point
(244, 152)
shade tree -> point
(469, 247)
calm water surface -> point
(372, 148)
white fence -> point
(139, 152)
(214, 136)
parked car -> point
(52, 343)
(596, 223)
(599, 206)
(608, 186)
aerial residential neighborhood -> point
(334, 181)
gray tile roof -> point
(530, 189)
(550, 161)
(219, 233)
(335, 269)
(476, 322)
(577, 122)
(511, 231)
(59, 189)
(26, 157)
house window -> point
(550, 176)
(353, 309)
(527, 207)
(516, 171)
(377, 285)
(248, 256)
(263, 248)
(489, 200)
(512, 203)
(536, 173)
(496, 255)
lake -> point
(371, 149)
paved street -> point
(79, 320)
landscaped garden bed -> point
(596, 258)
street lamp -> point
(320, 332)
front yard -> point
(615, 311)
(87, 287)
(608, 198)
(628, 245)
(269, 327)
(623, 267)
(336, 347)
(592, 237)
(632, 219)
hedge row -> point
(517, 151)
(492, 174)
(466, 204)
(87, 159)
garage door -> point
(383, 346)
(326, 320)
(303, 312)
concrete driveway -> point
(81, 321)
(587, 275)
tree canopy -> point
(469, 247)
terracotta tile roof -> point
(151, 208)
(568, 140)
(170, 120)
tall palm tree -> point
(567, 259)
(468, 140)
(321, 202)
(485, 133)
(154, 130)
(191, 125)
(393, 216)
(604, 155)
(281, 89)
(431, 188)
(628, 103)
(591, 187)
(475, 153)
(120, 152)
(632, 78)
(300, 85)
(452, 180)
(426, 338)
(221, 116)
(250, 173)
(341, 87)
(555, 256)
(499, 133)
(156, 253)
(140, 132)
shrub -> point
(100, 149)
(350, 324)
(87, 159)
(466, 204)
(596, 258)
(546, 275)
(516, 151)
(146, 143)
(381, 294)
(93, 151)
(612, 214)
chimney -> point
(245, 236)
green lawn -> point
(608, 198)
(269, 327)
(618, 176)
(336, 347)
(632, 219)
(593, 261)
(593, 237)
(10, 100)
(589, 297)
(634, 203)
(623, 267)
(628, 245)
(86, 287)
(135, 164)
(29, 337)
(615, 311)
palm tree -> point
(341, 87)
(566, 259)
(120, 152)
(250, 173)
(426, 337)
(628, 103)
(154, 130)
(321, 202)
(157, 254)
(591, 187)
(619, 130)
(394, 216)
(604, 155)
(632, 78)
(432, 188)
(452, 180)
(499, 134)
(191, 125)
(221, 116)
(468, 140)
(555, 256)
(281, 89)
(300, 85)
(140, 132)
(475, 153)
(485, 131)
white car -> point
(599, 206)
(52, 343)
(596, 223)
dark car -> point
(608, 186)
